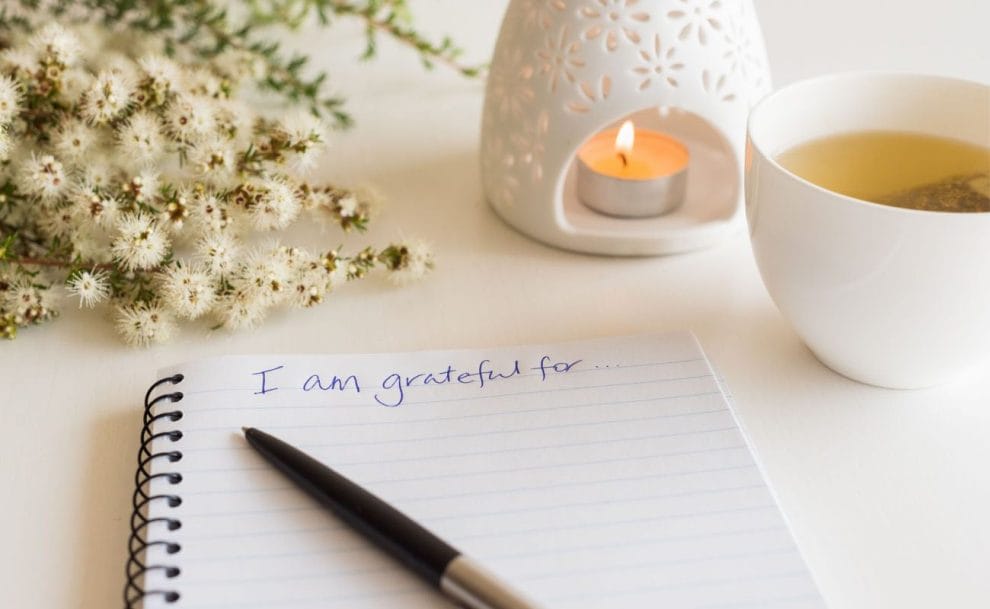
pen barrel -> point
(474, 587)
(419, 549)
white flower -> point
(190, 118)
(202, 82)
(311, 283)
(234, 118)
(73, 140)
(96, 172)
(416, 262)
(307, 135)
(144, 186)
(42, 176)
(290, 256)
(91, 288)
(57, 221)
(91, 206)
(125, 152)
(348, 205)
(20, 61)
(55, 42)
(311, 198)
(267, 273)
(10, 100)
(27, 302)
(213, 157)
(302, 125)
(209, 212)
(275, 206)
(141, 138)
(187, 290)
(150, 181)
(241, 309)
(107, 98)
(162, 71)
(140, 243)
(145, 323)
(218, 251)
(174, 215)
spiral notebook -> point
(599, 473)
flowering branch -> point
(145, 183)
(391, 17)
(207, 29)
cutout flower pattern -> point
(517, 150)
(698, 18)
(741, 55)
(658, 64)
(590, 92)
(509, 85)
(499, 163)
(541, 12)
(560, 58)
(717, 85)
(528, 145)
(614, 20)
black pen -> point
(433, 559)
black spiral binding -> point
(134, 590)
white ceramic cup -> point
(883, 295)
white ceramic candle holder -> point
(565, 69)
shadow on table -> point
(440, 196)
(107, 475)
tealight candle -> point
(625, 172)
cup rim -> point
(853, 74)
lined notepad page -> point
(605, 473)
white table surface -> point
(888, 491)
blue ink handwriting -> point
(394, 386)
(264, 374)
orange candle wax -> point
(629, 172)
(634, 154)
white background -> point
(887, 491)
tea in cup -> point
(880, 263)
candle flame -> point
(626, 138)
